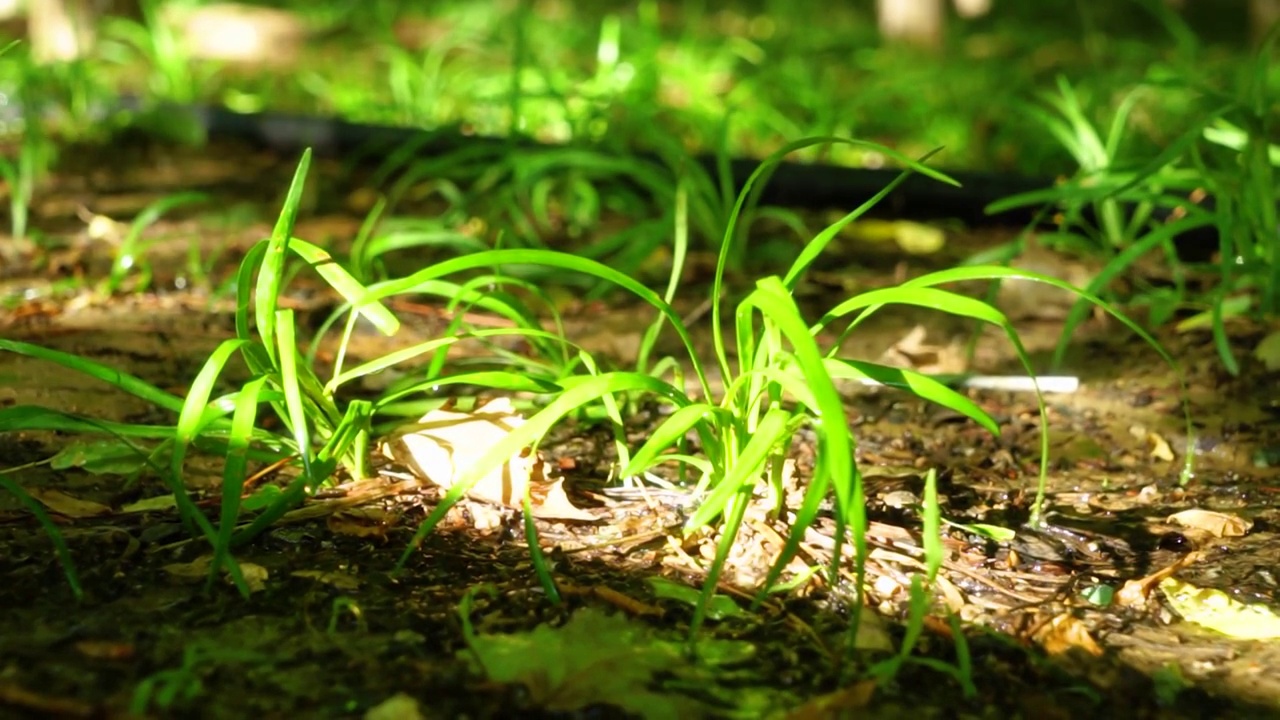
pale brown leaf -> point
(555, 505)
(70, 506)
(444, 444)
(1067, 632)
(1217, 524)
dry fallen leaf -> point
(400, 706)
(445, 444)
(362, 522)
(338, 580)
(913, 351)
(1067, 632)
(1216, 523)
(1134, 593)
(255, 576)
(64, 504)
(190, 572)
(555, 505)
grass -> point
(641, 89)
(1146, 131)
(1124, 206)
(781, 378)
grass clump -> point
(780, 373)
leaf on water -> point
(444, 444)
(67, 505)
(255, 576)
(912, 238)
(594, 658)
(1218, 611)
(1160, 449)
(1215, 523)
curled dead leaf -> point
(555, 505)
(445, 444)
(1160, 449)
(1067, 632)
(1216, 523)
(1134, 593)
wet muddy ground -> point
(465, 630)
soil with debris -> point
(463, 629)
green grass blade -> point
(563, 261)
(679, 252)
(495, 379)
(731, 232)
(50, 529)
(133, 385)
(191, 421)
(235, 470)
(917, 384)
(402, 355)
(835, 465)
(347, 286)
(298, 419)
(668, 434)
(745, 472)
(270, 282)
(131, 249)
(815, 247)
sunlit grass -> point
(780, 373)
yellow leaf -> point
(1218, 611)
(919, 239)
